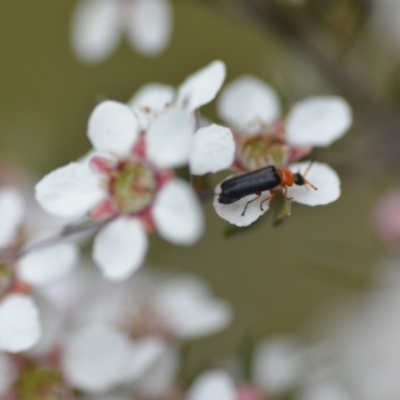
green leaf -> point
(283, 211)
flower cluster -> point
(77, 332)
(128, 178)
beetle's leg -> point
(268, 198)
(285, 194)
(258, 194)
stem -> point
(66, 232)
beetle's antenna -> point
(309, 167)
(310, 184)
(306, 182)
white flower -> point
(150, 312)
(97, 27)
(20, 327)
(250, 105)
(323, 177)
(197, 90)
(214, 384)
(130, 177)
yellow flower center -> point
(133, 187)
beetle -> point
(255, 182)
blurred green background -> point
(275, 278)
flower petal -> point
(201, 87)
(145, 353)
(120, 248)
(212, 150)
(233, 212)
(177, 213)
(11, 213)
(161, 377)
(155, 96)
(318, 121)
(215, 384)
(8, 374)
(113, 128)
(189, 308)
(150, 100)
(95, 358)
(69, 191)
(48, 265)
(95, 29)
(277, 364)
(19, 323)
(247, 102)
(150, 26)
(169, 137)
(323, 177)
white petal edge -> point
(95, 30)
(12, 210)
(247, 102)
(8, 374)
(323, 177)
(233, 212)
(150, 26)
(70, 191)
(178, 214)
(212, 150)
(155, 96)
(169, 137)
(214, 384)
(144, 353)
(113, 128)
(189, 308)
(48, 265)
(150, 100)
(318, 121)
(120, 248)
(161, 377)
(277, 364)
(201, 87)
(95, 358)
(19, 323)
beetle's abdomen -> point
(239, 186)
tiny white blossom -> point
(20, 325)
(151, 312)
(252, 107)
(129, 176)
(97, 27)
(212, 147)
